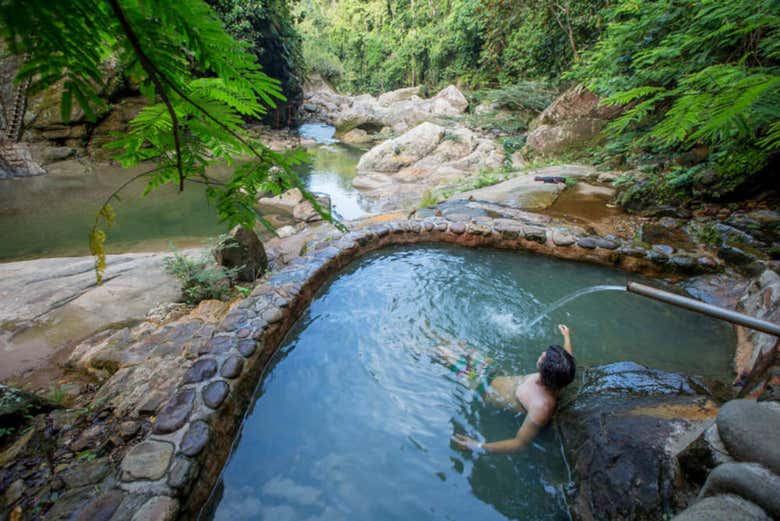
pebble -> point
(587, 243)
(160, 508)
(201, 370)
(750, 431)
(195, 438)
(175, 413)
(232, 367)
(147, 460)
(215, 393)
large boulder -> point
(621, 435)
(575, 117)
(725, 507)
(243, 249)
(394, 154)
(16, 161)
(755, 350)
(398, 110)
(748, 480)
(394, 96)
(428, 157)
(751, 432)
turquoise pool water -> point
(354, 416)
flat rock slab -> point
(621, 434)
(60, 301)
(524, 192)
(751, 432)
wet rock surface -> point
(621, 434)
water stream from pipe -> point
(568, 298)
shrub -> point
(201, 279)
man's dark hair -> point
(558, 368)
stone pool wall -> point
(179, 463)
(190, 382)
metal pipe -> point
(704, 308)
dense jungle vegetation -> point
(699, 80)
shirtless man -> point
(534, 395)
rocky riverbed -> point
(145, 429)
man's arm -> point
(527, 432)
(564, 329)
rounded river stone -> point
(247, 348)
(607, 244)
(748, 480)
(663, 249)
(722, 508)
(587, 243)
(215, 393)
(147, 460)
(102, 507)
(457, 228)
(195, 439)
(175, 413)
(160, 508)
(201, 370)
(751, 431)
(232, 367)
(181, 472)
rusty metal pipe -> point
(704, 308)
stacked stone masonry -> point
(171, 473)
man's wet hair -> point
(558, 368)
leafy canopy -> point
(200, 83)
(693, 73)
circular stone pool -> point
(354, 416)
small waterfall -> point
(568, 298)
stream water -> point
(50, 215)
(354, 416)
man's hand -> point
(465, 443)
(564, 329)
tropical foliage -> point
(693, 74)
(378, 45)
(200, 83)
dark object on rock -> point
(622, 433)
(750, 431)
(550, 179)
(15, 404)
(243, 249)
(748, 480)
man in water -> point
(534, 395)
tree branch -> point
(152, 71)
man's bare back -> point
(535, 395)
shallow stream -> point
(354, 416)
(51, 215)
